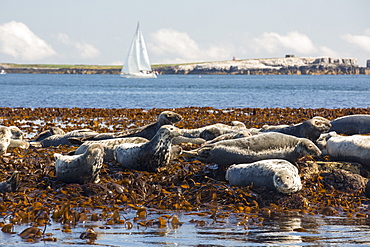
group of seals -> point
(147, 131)
(258, 157)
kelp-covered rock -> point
(184, 184)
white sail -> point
(137, 62)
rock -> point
(343, 180)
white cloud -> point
(84, 49)
(18, 41)
(180, 47)
(362, 41)
(273, 42)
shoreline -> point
(267, 66)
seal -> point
(355, 148)
(270, 145)
(5, 136)
(51, 131)
(148, 156)
(147, 131)
(109, 145)
(80, 168)
(231, 135)
(310, 129)
(11, 137)
(274, 174)
(323, 139)
(351, 125)
(17, 134)
(56, 140)
(212, 131)
(11, 184)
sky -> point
(96, 32)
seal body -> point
(80, 168)
(56, 140)
(148, 156)
(110, 145)
(232, 135)
(310, 129)
(355, 148)
(51, 131)
(212, 131)
(352, 124)
(274, 174)
(270, 145)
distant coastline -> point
(289, 65)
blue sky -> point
(100, 32)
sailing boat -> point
(137, 63)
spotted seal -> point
(148, 156)
(17, 134)
(310, 129)
(80, 168)
(351, 125)
(5, 136)
(270, 145)
(11, 137)
(110, 145)
(11, 184)
(274, 174)
(147, 131)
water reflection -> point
(284, 231)
(297, 230)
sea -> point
(218, 91)
(176, 91)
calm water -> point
(174, 91)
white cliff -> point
(270, 63)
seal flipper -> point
(76, 140)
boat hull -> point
(139, 75)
